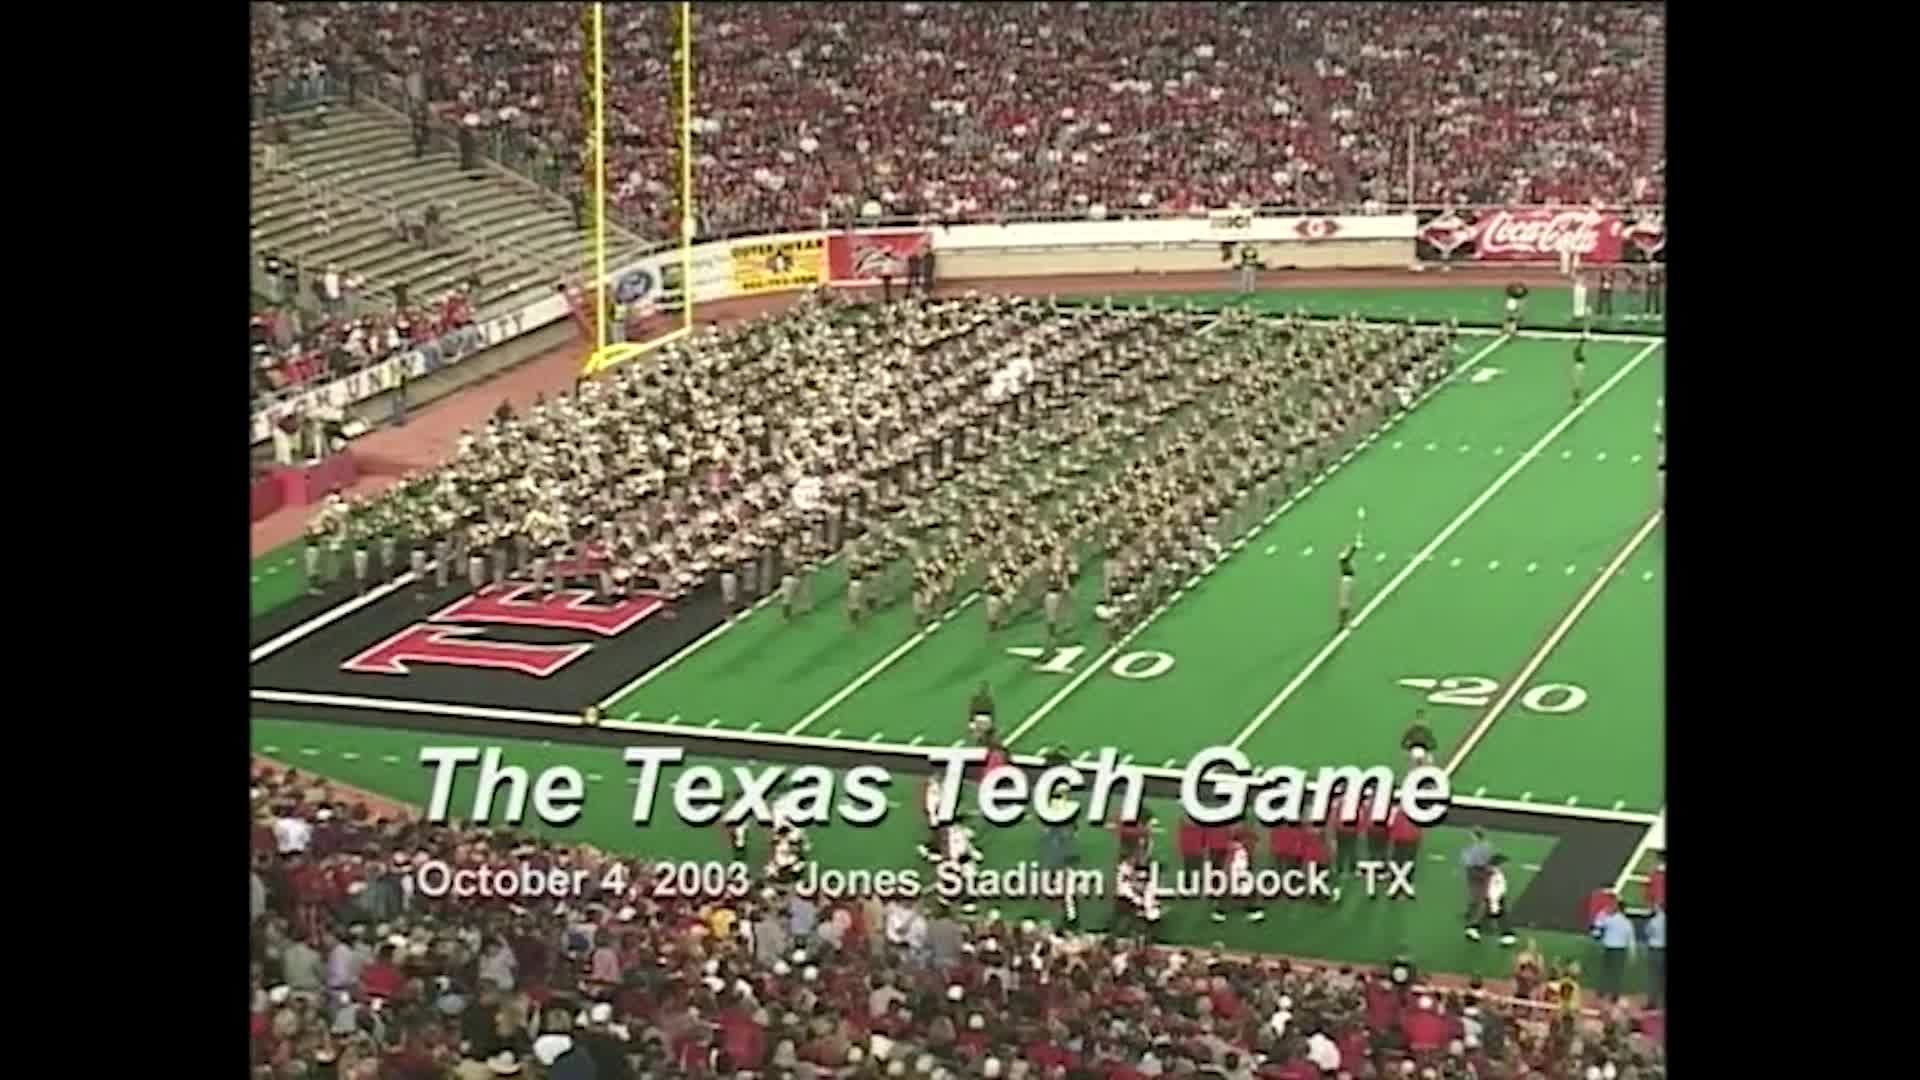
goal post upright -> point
(686, 166)
(606, 354)
(597, 48)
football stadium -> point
(872, 413)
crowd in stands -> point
(355, 974)
(294, 346)
(826, 111)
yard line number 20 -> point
(1478, 691)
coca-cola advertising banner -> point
(1539, 234)
(864, 258)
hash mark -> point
(878, 736)
(309, 751)
(1532, 566)
(1271, 548)
(1456, 561)
(595, 777)
(1635, 461)
(1569, 568)
(1464, 448)
(1620, 804)
(1526, 796)
(1127, 760)
(389, 759)
(674, 719)
(1494, 565)
(1308, 551)
(1498, 450)
(713, 723)
(1566, 455)
(349, 755)
(1397, 444)
(1379, 556)
(1601, 456)
(1168, 764)
(755, 726)
(834, 734)
(1646, 575)
(959, 742)
(1479, 791)
(1433, 446)
(916, 740)
(1573, 800)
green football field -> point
(1511, 578)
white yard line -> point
(1393, 585)
(1106, 658)
(873, 672)
(1559, 634)
(698, 643)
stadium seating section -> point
(816, 110)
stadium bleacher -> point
(834, 109)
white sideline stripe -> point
(1078, 680)
(773, 739)
(329, 617)
(1560, 631)
(1654, 839)
(873, 672)
(1393, 585)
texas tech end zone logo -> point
(454, 635)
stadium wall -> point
(784, 262)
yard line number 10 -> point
(1145, 664)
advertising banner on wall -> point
(864, 258)
(1540, 235)
(776, 265)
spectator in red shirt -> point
(1312, 845)
(1219, 844)
(1346, 833)
(1192, 841)
(1599, 902)
(1283, 846)
(1404, 836)
(1424, 1028)
(381, 980)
